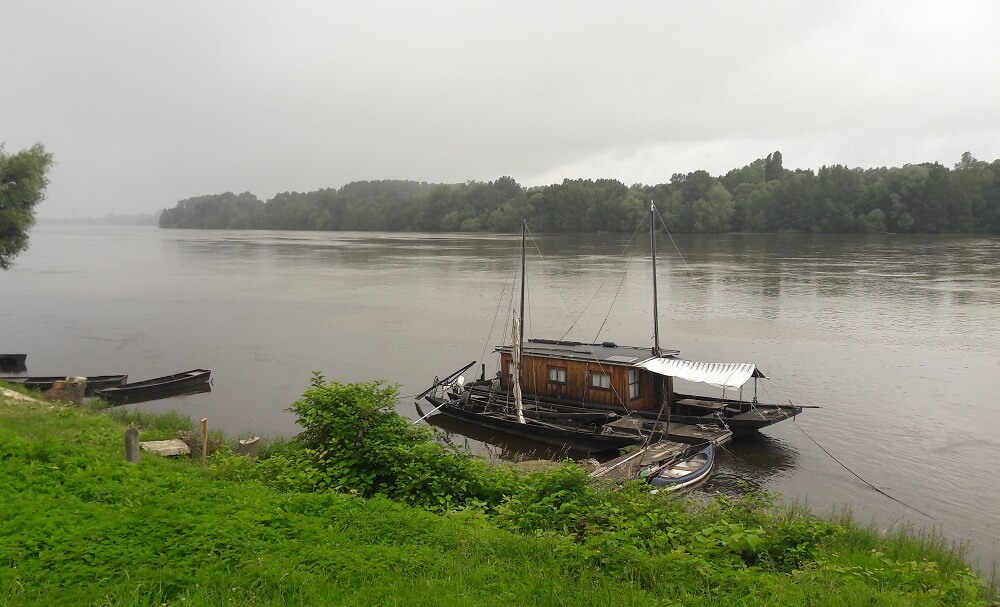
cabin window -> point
(557, 375)
(600, 380)
(633, 383)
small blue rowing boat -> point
(681, 472)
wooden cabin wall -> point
(535, 380)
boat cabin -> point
(591, 374)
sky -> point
(144, 104)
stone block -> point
(69, 390)
(132, 445)
(249, 447)
(166, 448)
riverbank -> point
(81, 526)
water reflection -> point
(203, 388)
(497, 446)
(750, 463)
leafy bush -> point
(354, 441)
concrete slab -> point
(12, 395)
(166, 448)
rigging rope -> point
(676, 248)
(621, 283)
(538, 251)
(496, 315)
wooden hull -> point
(739, 422)
(739, 426)
(94, 382)
(742, 418)
(168, 384)
(584, 437)
(13, 360)
(201, 388)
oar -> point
(423, 417)
(438, 382)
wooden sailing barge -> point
(556, 391)
(634, 381)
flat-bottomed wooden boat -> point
(94, 382)
(166, 384)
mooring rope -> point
(844, 466)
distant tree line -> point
(759, 197)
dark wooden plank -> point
(703, 404)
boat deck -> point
(769, 413)
(711, 405)
(691, 434)
(628, 466)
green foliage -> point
(762, 196)
(154, 426)
(80, 526)
(222, 211)
(618, 528)
(23, 178)
(353, 441)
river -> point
(894, 338)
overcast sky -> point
(144, 104)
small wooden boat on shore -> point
(168, 384)
(12, 361)
(94, 382)
(677, 473)
(189, 390)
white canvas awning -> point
(724, 375)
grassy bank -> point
(80, 526)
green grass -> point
(80, 526)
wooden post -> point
(204, 440)
(132, 453)
(249, 447)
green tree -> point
(23, 177)
(772, 167)
(839, 192)
(714, 212)
(794, 201)
(970, 182)
(752, 173)
(699, 203)
(754, 207)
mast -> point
(524, 228)
(517, 333)
(652, 249)
(665, 386)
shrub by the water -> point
(353, 441)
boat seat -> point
(701, 404)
